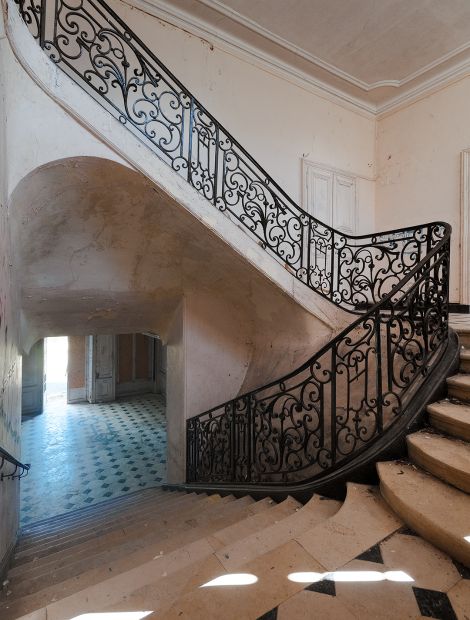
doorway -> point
(55, 362)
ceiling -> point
(374, 52)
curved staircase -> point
(309, 433)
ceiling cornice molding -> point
(436, 83)
(163, 10)
(169, 13)
(218, 6)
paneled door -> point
(32, 401)
(101, 380)
(330, 196)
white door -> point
(101, 383)
(330, 196)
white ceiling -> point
(369, 40)
(372, 51)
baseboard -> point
(459, 308)
(76, 395)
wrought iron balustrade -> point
(357, 388)
(93, 45)
(336, 405)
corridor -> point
(83, 454)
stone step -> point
(318, 509)
(107, 506)
(148, 575)
(92, 527)
(451, 418)
(61, 560)
(336, 540)
(465, 360)
(458, 387)
(115, 563)
(445, 458)
(48, 547)
(435, 510)
(464, 335)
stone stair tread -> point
(314, 512)
(437, 511)
(114, 589)
(96, 526)
(95, 509)
(47, 547)
(452, 418)
(60, 558)
(121, 557)
(445, 458)
(128, 561)
(271, 567)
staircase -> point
(251, 459)
(430, 491)
(153, 551)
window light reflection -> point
(232, 579)
(113, 615)
(353, 575)
(467, 538)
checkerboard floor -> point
(83, 454)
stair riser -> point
(465, 365)
(460, 431)
(460, 393)
(155, 529)
(107, 507)
(122, 557)
(95, 514)
(93, 528)
(71, 544)
(464, 339)
(451, 475)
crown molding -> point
(163, 10)
(166, 11)
(218, 6)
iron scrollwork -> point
(353, 390)
(93, 45)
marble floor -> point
(84, 454)
(402, 577)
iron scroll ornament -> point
(94, 46)
(352, 391)
(340, 402)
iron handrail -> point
(240, 441)
(351, 392)
(96, 48)
(6, 457)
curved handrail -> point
(6, 457)
(340, 402)
(93, 45)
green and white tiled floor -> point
(84, 454)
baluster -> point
(250, 438)
(232, 441)
(378, 371)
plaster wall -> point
(418, 165)
(10, 360)
(278, 122)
